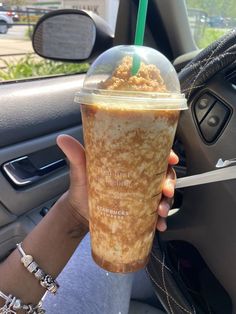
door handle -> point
(22, 172)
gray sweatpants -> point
(85, 288)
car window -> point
(210, 19)
(17, 58)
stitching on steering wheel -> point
(209, 58)
(192, 88)
(204, 60)
(172, 298)
(156, 258)
(206, 63)
(164, 283)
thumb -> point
(74, 151)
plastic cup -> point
(129, 125)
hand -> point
(77, 194)
(167, 193)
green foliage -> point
(30, 18)
(16, 2)
(29, 33)
(225, 8)
(30, 66)
(210, 35)
(199, 18)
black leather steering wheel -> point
(207, 217)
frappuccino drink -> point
(129, 123)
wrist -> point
(51, 244)
(73, 213)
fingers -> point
(168, 194)
(163, 210)
(169, 184)
(173, 158)
(74, 151)
(164, 207)
(161, 224)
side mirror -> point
(71, 35)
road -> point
(15, 32)
(14, 44)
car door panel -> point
(35, 108)
(33, 114)
(14, 233)
(5, 216)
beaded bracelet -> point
(46, 281)
(14, 304)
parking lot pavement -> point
(15, 32)
(11, 50)
(15, 46)
(14, 43)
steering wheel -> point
(207, 216)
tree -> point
(15, 3)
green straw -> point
(139, 34)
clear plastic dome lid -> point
(133, 74)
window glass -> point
(210, 19)
(17, 20)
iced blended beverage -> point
(129, 122)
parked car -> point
(217, 21)
(230, 22)
(6, 20)
(195, 267)
(14, 16)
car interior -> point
(198, 249)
